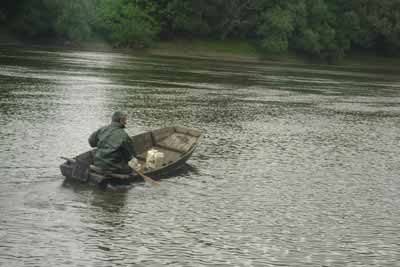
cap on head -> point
(118, 115)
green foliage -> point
(383, 20)
(275, 29)
(3, 16)
(74, 22)
(126, 24)
(33, 19)
(325, 29)
(275, 44)
(317, 35)
(308, 40)
(187, 17)
(44, 18)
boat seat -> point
(177, 142)
(109, 174)
(160, 145)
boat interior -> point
(173, 142)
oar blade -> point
(148, 179)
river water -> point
(298, 164)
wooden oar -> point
(147, 178)
(68, 159)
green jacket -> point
(114, 148)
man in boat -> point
(114, 147)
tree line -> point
(319, 28)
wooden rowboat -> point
(176, 143)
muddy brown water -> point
(298, 164)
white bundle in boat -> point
(154, 159)
(134, 164)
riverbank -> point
(217, 49)
(238, 50)
(227, 50)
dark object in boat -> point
(176, 143)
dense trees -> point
(322, 28)
(125, 23)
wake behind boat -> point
(158, 152)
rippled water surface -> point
(298, 165)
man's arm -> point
(129, 148)
(94, 139)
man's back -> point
(114, 148)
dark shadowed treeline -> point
(322, 28)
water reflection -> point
(297, 164)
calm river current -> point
(298, 164)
